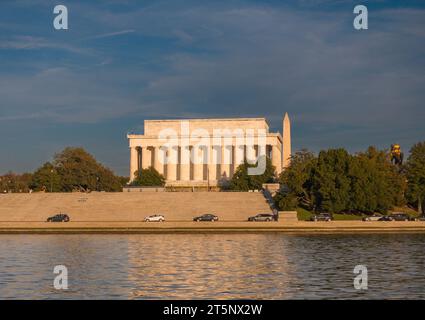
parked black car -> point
(401, 216)
(61, 217)
(386, 218)
(322, 217)
(206, 217)
(262, 217)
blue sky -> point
(123, 61)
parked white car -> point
(374, 217)
(155, 218)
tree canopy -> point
(12, 182)
(376, 184)
(75, 169)
(46, 178)
(297, 181)
(242, 181)
(331, 183)
(336, 181)
(415, 172)
(149, 177)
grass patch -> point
(338, 216)
(304, 214)
(409, 211)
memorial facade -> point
(207, 152)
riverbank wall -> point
(129, 227)
(124, 213)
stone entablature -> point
(195, 152)
(154, 127)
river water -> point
(212, 266)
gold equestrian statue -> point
(396, 154)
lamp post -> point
(208, 179)
(51, 180)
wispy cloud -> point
(32, 43)
(33, 116)
(111, 34)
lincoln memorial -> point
(201, 152)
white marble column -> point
(198, 165)
(276, 158)
(134, 159)
(226, 160)
(158, 163)
(251, 154)
(239, 156)
(212, 163)
(172, 158)
(185, 163)
(146, 158)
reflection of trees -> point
(96, 264)
(207, 266)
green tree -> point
(46, 178)
(242, 181)
(339, 182)
(123, 180)
(376, 184)
(331, 183)
(297, 179)
(415, 171)
(12, 182)
(286, 201)
(79, 170)
(149, 177)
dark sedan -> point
(386, 218)
(206, 217)
(61, 217)
(401, 216)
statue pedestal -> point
(288, 216)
